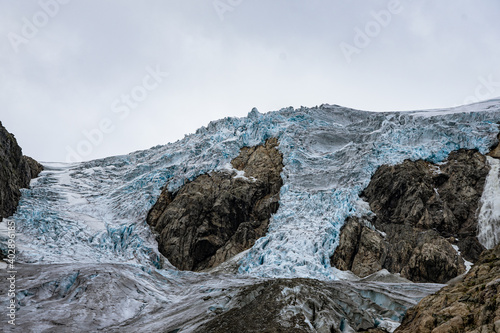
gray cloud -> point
(270, 54)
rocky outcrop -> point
(420, 256)
(307, 305)
(34, 166)
(421, 211)
(361, 249)
(495, 150)
(16, 171)
(470, 305)
(219, 214)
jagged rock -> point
(422, 209)
(34, 166)
(471, 305)
(361, 249)
(219, 214)
(16, 171)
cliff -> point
(16, 171)
(219, 214)
(471, 304)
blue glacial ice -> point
(95, 212)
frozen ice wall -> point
(95, 211)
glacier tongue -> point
(95, 211)
(488, 219)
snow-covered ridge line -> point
(95, 211)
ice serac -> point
(16, 171)
(469, 305)
(219, 214)
(421, 211)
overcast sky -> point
(85, 79)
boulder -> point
(361, 249)
(469, 305)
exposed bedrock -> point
(495, 150)
(421, 211)
(16, 171)
(220, 214)
(308, 305)
(468, 305)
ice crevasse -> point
(95, 212)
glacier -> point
(93, 213)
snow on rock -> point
(468, 264)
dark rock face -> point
(444, 199)
(420, 256)
(495, 150)
(218, 215)
(422, 209)
(470, 305)
(16, 171)
(34, 166)
(361, 249)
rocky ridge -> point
(308, 305)
(471, 304)
(219, 214)
(423, 213)
(16, 172)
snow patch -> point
(240, 174)
(468, 264)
